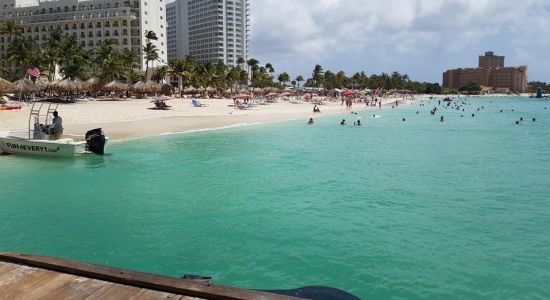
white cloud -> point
(421, 37)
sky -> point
(422, 38)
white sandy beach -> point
(135, 118)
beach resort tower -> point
(91, 22)
(491, 74)
(490, 60)
(209, 30)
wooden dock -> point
(39, 277)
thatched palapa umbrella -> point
(92, 85)
(68, 85)
(6, 86)
(149, 87)
(153, 86)
(115, 86)
(140, 87)
(166, 89)
(27, 86)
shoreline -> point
(133, 119)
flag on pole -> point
(33, 72)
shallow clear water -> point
(389, 210)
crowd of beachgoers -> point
(124, 118)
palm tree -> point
(150, 35)
(252, 67)
(150, 50)
(240, 62)
(151, 53)
(112, 64)
(299, 79)
(11, 29)
(24, 52)
(270, 68)
(75, 61)
(184, 70)
(53, 52)
(283, 78)
(233, 76)
(160, 73)
(129, 60)
(318, 75)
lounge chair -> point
(161, 105)
(197, 103)
(240, 105)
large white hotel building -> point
(90, 22)
(209, 30)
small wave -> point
(210, 129)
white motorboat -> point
(37, 141)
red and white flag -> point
(33, 72)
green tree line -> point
(110, 62)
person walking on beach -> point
(379, 104)
(56, 128)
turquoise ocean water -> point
(390, 210)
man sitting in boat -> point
(56, 128)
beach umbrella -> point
(162, 98)
(26, 86)
(347, 93)
(210, 89)
(285, 94)
(115, 86)
(242, 96)
(271, 95)
(6, 86)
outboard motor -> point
(95, 141)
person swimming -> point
(343, 122)
(310, 122)
(441, 119)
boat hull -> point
(63, 148)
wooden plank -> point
(114, 292)
(79, 288)
(24, 281)
(15, 275)
(145, 294)
(41, 288)
(138, 279)
(7, 267)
